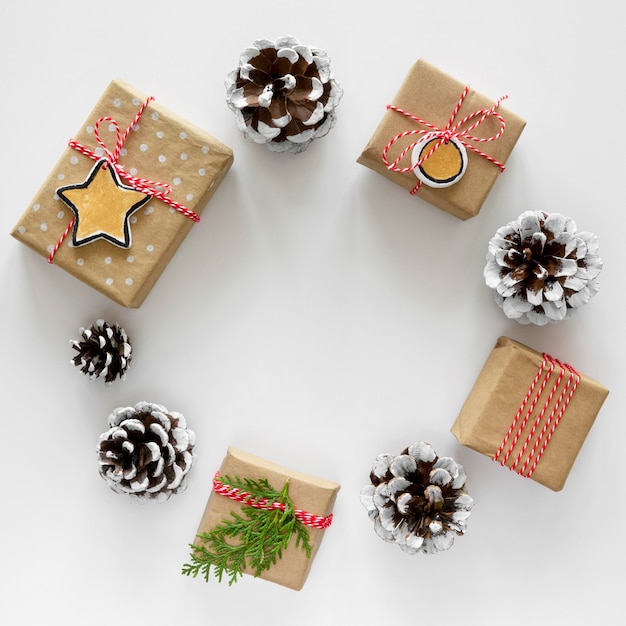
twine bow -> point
(239, 495)
(452, 130)
(156, 189)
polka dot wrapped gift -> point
(124, 194)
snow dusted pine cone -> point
(417, 500)
(283, 94)
(147, 452)
(542, 268)
(104, 351)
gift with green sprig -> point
(262, 520)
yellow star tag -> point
(102, 205)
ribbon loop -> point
(156, 189)
(113, 156)
(451, 131)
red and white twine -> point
(452, 130)
(239, 495)
(526, 466)
(153, 188)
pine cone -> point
(147, 452)
(417, 500)
(105, 350)
(542, 268)
(283, 94)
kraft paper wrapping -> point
(314, 495)
(496, 397)
(163, 147)
(432, 95)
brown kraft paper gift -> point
(497, 398)
(432, 95)
(315, 495)
(162, 147)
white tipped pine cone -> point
(104, 351)
(147, 452)
(283, 94)
(417, 500)
(542, 268)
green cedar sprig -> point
(255, 540)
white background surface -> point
(317, 316)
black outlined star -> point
(102, 205)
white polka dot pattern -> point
(159, 148)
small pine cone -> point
(147, 452)
(541, 268)
(283, 94)
(104, 351)
(417, 500)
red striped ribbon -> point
(546, 419)
(239, 495)
(452, 130)
(153, 188)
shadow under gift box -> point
(162, 147)
(432, 95)
(315, 495)
(536, 429)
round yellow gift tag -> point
(439, 164)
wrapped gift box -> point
(162, 148)
(432, 96)
(315, 495)
(529, 412)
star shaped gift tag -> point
(102, 205)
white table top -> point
(317, 316)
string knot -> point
(454, 131)
(156, 189)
